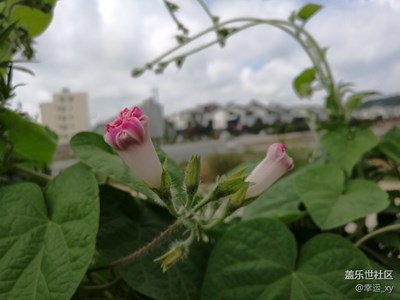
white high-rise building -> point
(67, 114)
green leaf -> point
(137, 72)
(303, 83)
(171, 6)
(33, 20)
(392, 135)
(280, 201)
(92, 150)
(346, 147)
(31, 142)
(258, 259)
(179, 61)
(391, 149)
(5, 33)
(390, 144)
(332, 202)
(357, 98)
(308, 10)
(47, 239)
(125, 226)
(395, 295)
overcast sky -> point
(93, 45)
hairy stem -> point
(100, 287)
(179, 24)
(34, 174)
(207, 11)
(140, 252)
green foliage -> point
(20, 21)
(346, 146)
(34, 19)
(332, 202)
(30, 142)
(48, 238)
(48, 231)
(390, 144)
(258, 259)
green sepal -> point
(165, 189)
(230, 184)
(238, 199)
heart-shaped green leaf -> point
(257, 259)
(332, 202)
(347, 147)
(47, 240)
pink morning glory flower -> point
(271, 168)
(129, 135)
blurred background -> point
(225, 104)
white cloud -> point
(93, 45)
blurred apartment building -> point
(154, 111)
(67, 114)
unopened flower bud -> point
(165, 188)
(192, 175)
(129, 135)
(271, 168)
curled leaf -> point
(303, 83)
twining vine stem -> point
(46, 178)
(308, 43)
(377, 232)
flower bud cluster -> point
(129, 135)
